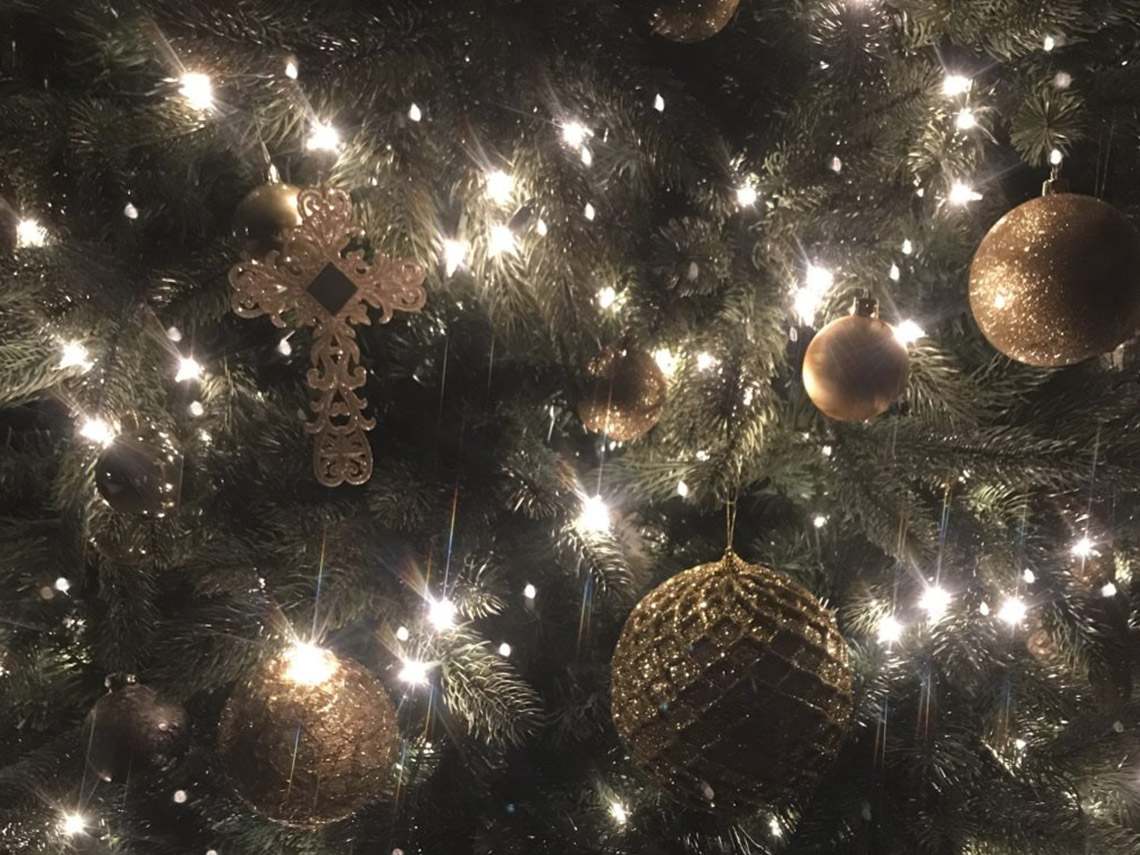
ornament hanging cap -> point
(119, 680)
(866, 307)
(1055, 184)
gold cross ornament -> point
(322, 286)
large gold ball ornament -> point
(309, 738)
(856, 367)
(693, 20)
(731, 686)
(1057, 280)
(262, 217)
(626, 394)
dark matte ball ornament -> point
(693, 20)
(856, 367)
(131, 730)
(626, 395)
(263, 215)
(731, 687)
(1057, 280)
(140, 472)
(309, 738)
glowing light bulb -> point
(935, 601)
(98, 431)
(1029, 576)
(574, 134)
(889, 629)
(415, 113)
(962, 194)
(682, 489)
(835, 165)
(966, 119)
(907, 247)
(454, 255)
(594, 516)
(502, 240)
(818, 278)
(291, 70)
(180, 797)
(659, 103)
(29, 233)
(665, 360)
(587, 157)
(188, 369)
(1063, 80)
(706, 361)
(284, 348)
(1083, 548)
(323, 137)
(197, 89)
(908, 332)
(774, 827)
(607, 297)
(504, 650)
(1019, 744)
(817, 281)
(499, 186)
(956, 84)
(1056, 157)
(589, 211)
(894, 273)
(541, 227)
(130, 211)
(1049, 43)
(74, 355)
(529, 591)
(308, 665)
(746, 196)
(413, 672)
(618, 812)
(819, 521)
(62, 585)
(72, 823)
(402, 633)
(1012, 611)
(1108, 589)
(441, 613)
(196, 409)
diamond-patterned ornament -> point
(329, 289)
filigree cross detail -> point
(319, 284)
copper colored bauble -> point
(262, 217)
(731, 686)
(132, 731)
(1057, 280)
(693, 20)
(309, 738)
(140, 472)
(626, 395)
(856, 367)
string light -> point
(659, 103)
(402, 633)
(574, 134)
(1056, 157)
(594, 516)
(966, 120)
(1108, 589)
(894, 273)
(817, 282)
(1029, 576)
(454, 255)
(1049, 43)
(130, 211)
(283, 347)
(504, 650)
(414, 112)
(98, 431)
(935, 601)
(74, 355)
(587, 157)
(1012, 611)
(907, 247)
(1083, 548)
(291, 69)
(197, 89)
(502, 240)
(665, 360)
(819, 521)
(682, 489)
(1019, 744)
(908, 332)
(962, 194)
(62, 585)
(308, 665)
(413, 672)
(180, 797)
(72, 823)
(29, 233)
(889, 629)
(529, 591)
(196, 409)
(956, 84)
(188, 369)
(589, 211)
(618, 812)
(1062, 80)
(540, 227)
(774, 827)
(746, 196)
(174, 334)
(323, 137)
(441, 613)
(706, 361)
(500, 186)
(607, 297)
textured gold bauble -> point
(308, 747)
(263, 216)
(626, 394)
(693, 20)
(856, 367)
(731, 686)
(1057, 280)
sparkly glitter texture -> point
(627, 395)
(693, 20)
(1057, 280)
(731, 686)
(855, 367)
(308, 754)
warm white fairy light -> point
(1056, 157)
(1062, 80)
(499, 186)
(504, 650)
(402, 633)
(665, 360)
(966, 119)
(1012, 611)
(72, 823)
(130, 211)
(682, 489)
(180, 797)
(307, 664)
(98, 431)
(746, 196)
(413, 672)
(594, 515)
(1020, 744)
(74, 355)
(284, 347)
(889, 629)
(1029, 576)
(29, 233)
(589, 212)
(501, 240)
(659, 103)
(529, 591)
(894, 273)
(835, 165)
(706, 361)
(541, 227)
(1083, 548)
(197, 89)
(819, 521)
(908, 332)
(1049, 43)
(441, 613)
(935, 601)
(607, 296)
(415, 113)
(454, 255)
(291, 70)
(774, 827)
(323, 137)
(1108, 589)
(587, 156)
(62, 584)
(962, 193)
(907, 247)
(618, 812)
(574, 134)
(189, 368)
(817, 282)
(956, 84)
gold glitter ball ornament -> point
(309, 738)
(693, 20)
(731, 686)
(626, 395)
(856, 367)
(1057, 280)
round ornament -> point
(626, 395)
(693, 20)
(731, 686)
(140, 472)
(264, 214)
(856, 367)
(131, 730)
(1057, 280)
(308, 738)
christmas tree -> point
(442, 426)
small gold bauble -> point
(626, 395)
(731, 686)
(1057, 280)
(262, 217)
(140, 472)
(693, 20)
(856, 367)
(308, 738)
(131, 731)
